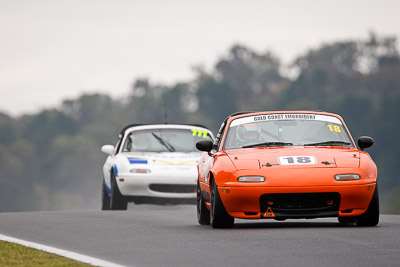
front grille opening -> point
(300, 205)
(298, 201)
(173, 188)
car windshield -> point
(164, 140)
(286, 130)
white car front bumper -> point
(161, 182)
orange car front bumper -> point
(248, 203)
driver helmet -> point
(248, 132)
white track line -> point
(61, 252)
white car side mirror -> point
(108, 149)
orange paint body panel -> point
(299, 179)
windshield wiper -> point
(328, 143)
(164, 143)
(269, 144)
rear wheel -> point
(118, 201)
(203, 215)
(105, 198)
(218, 216)
(371, 216)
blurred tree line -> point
(52, 160)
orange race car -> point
(286, 165)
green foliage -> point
(52, 160)
(7, 129)
(217, 101)
(249, 74)
(172, 103)
(391, 201)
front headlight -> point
(347, 177)
(251, 179)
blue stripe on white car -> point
(108, 189)
(137, 161)
(115, 169)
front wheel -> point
(218, 215)
(371, 215)
(118, 201)
(105, 198)
(203, 215)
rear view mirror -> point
(365, 142)
(108, 149)
(204, 145)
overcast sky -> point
(51, 50)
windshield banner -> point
(288, 116)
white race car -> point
(152, 164)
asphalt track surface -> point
(149, 235)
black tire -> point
(371, 216)
(105, 198)
(347, 220)
(203, 214)
(117, 201)
(218, 216)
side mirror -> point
(365, 142)
(108, 149)
(204, 145)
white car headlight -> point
(251, 179)
(347, 177)
(140, 171)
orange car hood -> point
(325, 157)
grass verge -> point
(12, 254)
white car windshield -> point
(164, 140)
(286, 130)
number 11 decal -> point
(296, 160)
